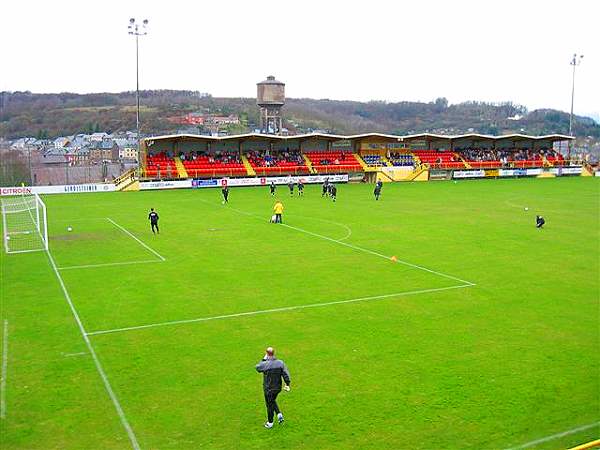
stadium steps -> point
(127, 181)
(248, 166)
(181, 172)
(135, 186)
(386, 161)
(384, 177)
(363, 163)
(587, 170)
(419, 174)
(467, 165)
(311, 169)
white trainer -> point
(268, 424)
(280, 418)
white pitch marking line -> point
(89, 266)
(4, 371)
(274, 310)
(355, 247)
(348, 230)
(556, 436)
(69, 355)
(134, 237)
(99, 368)
(399, 261)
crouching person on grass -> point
(274, 371)
(278, 210)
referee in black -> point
(153, 218)
(273, 370)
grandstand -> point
(195, 156)
(280, 163)
(333, 161)
(202, 164)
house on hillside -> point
(106, 150)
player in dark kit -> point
(225, 192)
(539, 221)
(291, 186)
(333, 192)
(153, 218)
(300, 187)
(273, 370)
(377, 191)
(272, 187)
(325, 187)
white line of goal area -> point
(556, 436)
(124, 263)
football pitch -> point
(437, 317)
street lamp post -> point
(137, 30)
(574, 62)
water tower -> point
(271, 98)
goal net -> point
(24, 225)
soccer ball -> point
(8, 238)
(526, 208)
(69, 229)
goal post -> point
(24, 224)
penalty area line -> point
(147, 247)
(276, 310)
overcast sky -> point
(356, 50)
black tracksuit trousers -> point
(271, 402)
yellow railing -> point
(125, 179)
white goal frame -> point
(24, 224)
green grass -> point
(507, 361)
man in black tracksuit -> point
(273, 370)
(153, 218)
(225, 192)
